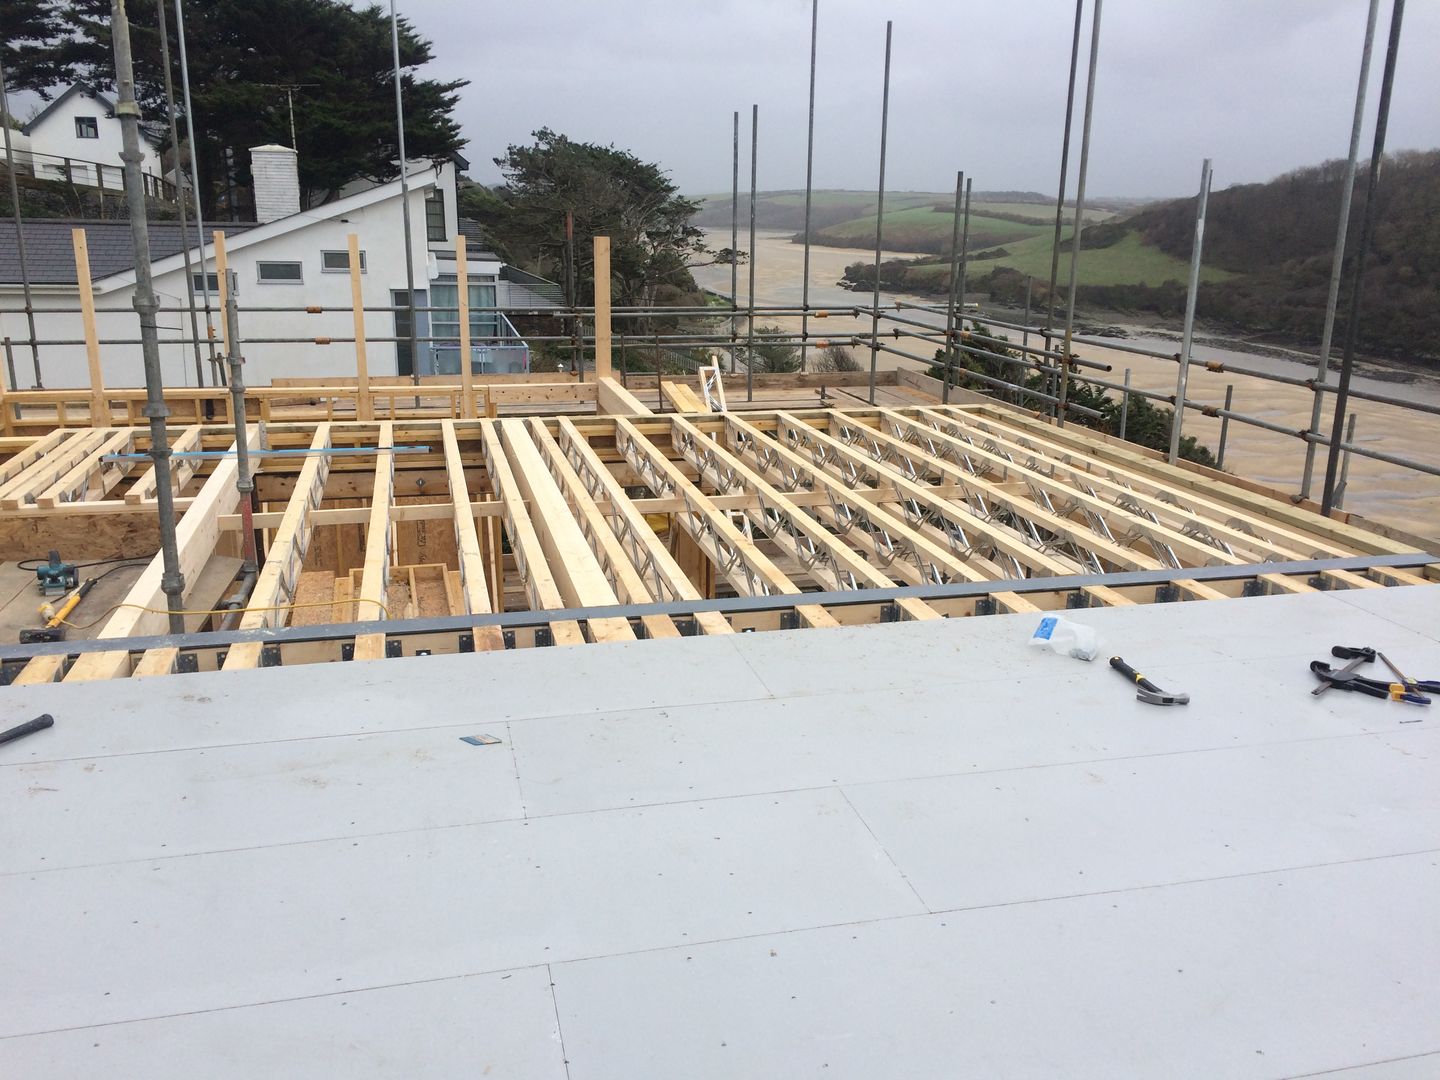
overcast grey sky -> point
(1261, 86)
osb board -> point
(80, 536)
(316, 587)
(430, 541)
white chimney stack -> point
(277, 182)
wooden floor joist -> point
(394, 519)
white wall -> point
(381, 238)
(55, 135)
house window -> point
(435, 216)
(280, 273)
(200, 283)
(404, 359)
(87, 127)
(338, 262)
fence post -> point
(364, 407)
(1224, 426)
(462, 285)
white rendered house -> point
(291, 258)
(77, 138)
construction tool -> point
(1357, 655)
(54, 628)
(55, 577)
(1145, 690)
(19, 731)
(1426, 686)
(1345, 679)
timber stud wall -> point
(426, 518)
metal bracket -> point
(423, 652)
(1255, 587)
(544, 637)
(347, 650)
(986, 606)
(1077, 599)
(1167, 594)
(270, 656)
(790, 620)
(394, 647)
(467, 643)
(687, 627)
(889, 613)
(1320, 582)
(508, 636)
(221, 654)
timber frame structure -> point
(417, 535)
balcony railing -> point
(502, 353)
(79, 172)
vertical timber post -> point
(462, 285)
(364, 404)
(603, 364)
(99, 408)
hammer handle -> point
(19, 731)
(1133, 675)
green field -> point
(1128, 262)
(920, 228)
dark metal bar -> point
(1079, 209)
(750, 328)
(1225, 426)
(19, 228)
(172, 580)
(1192, 294)
(734, 605)
(1337, 260)
(809, 181)
(1064, 166)
(180, 200)
(880, 212)
(1362, 249)
(217, 371)
(735, 242)
(954, 275)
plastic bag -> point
(1066, 637)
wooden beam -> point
(734, 555)
(541, 589)
(681, 398)
(195, 537)
(181, 469)
(375, 578)
(651, 559)
(467, 375)
(93, 478)
(629, 586)
(99, 408)
(364, 403)
(222, 278)
(829, 560)
(602, 308)
(275, 585)
(572, 564)
(612, 399)
(475, 589)
(25, 488)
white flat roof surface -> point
(915, 850)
